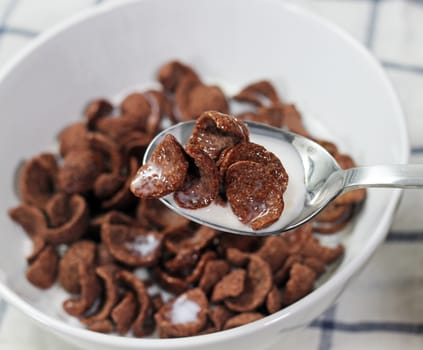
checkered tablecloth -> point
(383, 307)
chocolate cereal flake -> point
(133, 246)
(163, 173)
(301, 282)
(97, 109)
(242, 319)
(254, 199)
(124, 313)
(37, 180)
(192, 98)
(257, 284)
(184, 316)
(261, 93)
(172, 73)
(43, 271)
(140, 327)
(214, 132)
(214, 271)
(34, 224)
(107, 274)
(81, 252)
(76, 224)
(89, 291)
(231, 285)
(201, 185)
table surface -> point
(383, 307)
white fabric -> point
(383, 307)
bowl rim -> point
(378, 235)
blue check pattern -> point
(375, 311)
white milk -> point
(184, 310)
(293, 197)
(143, 245)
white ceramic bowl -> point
(332, 78)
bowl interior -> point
(341, 91)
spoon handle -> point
(393, 176)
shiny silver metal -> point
(324, 179)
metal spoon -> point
(324, 179)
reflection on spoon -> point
(315, 179)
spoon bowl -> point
(324, 180)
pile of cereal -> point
(217, 164)
(92, 236)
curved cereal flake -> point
(79, 171)
(168, 282)
(74, 227)
(57, 209)
(157, 214)
(133, 246)
(231, 285)
(184, 316)
(213, 132)
(201, 184)
(171, 74)
(124, 313)
(107, 274)
(43, 271)
(192, 240)
(329, 227)
(254, 197)
(164, 172)
(316, 265)
(137, 105)
(219, 315)
(114, 217)
(73, 138)
(161, 107)
(293, 121)
(214, 271)
(183, 260)
(261, 93)
(134, 144)
(252, 152)
(242, 319)
(282, 274)
(140, 326)
(89, 291)
(192, 98)
(118, 127)
(297, 237)
(312, 248)
(37, 180)
(274, 251)
(33, 221)
(108, 182)
(81, 252)
(123, 198)
(240, 242)
(102, 326)
(257, 284)
(95, 110)
(157, 301)
(237, 257)
(301, 282)
(104, 257)
(274, 300)
(199, 268)
(272, 116)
